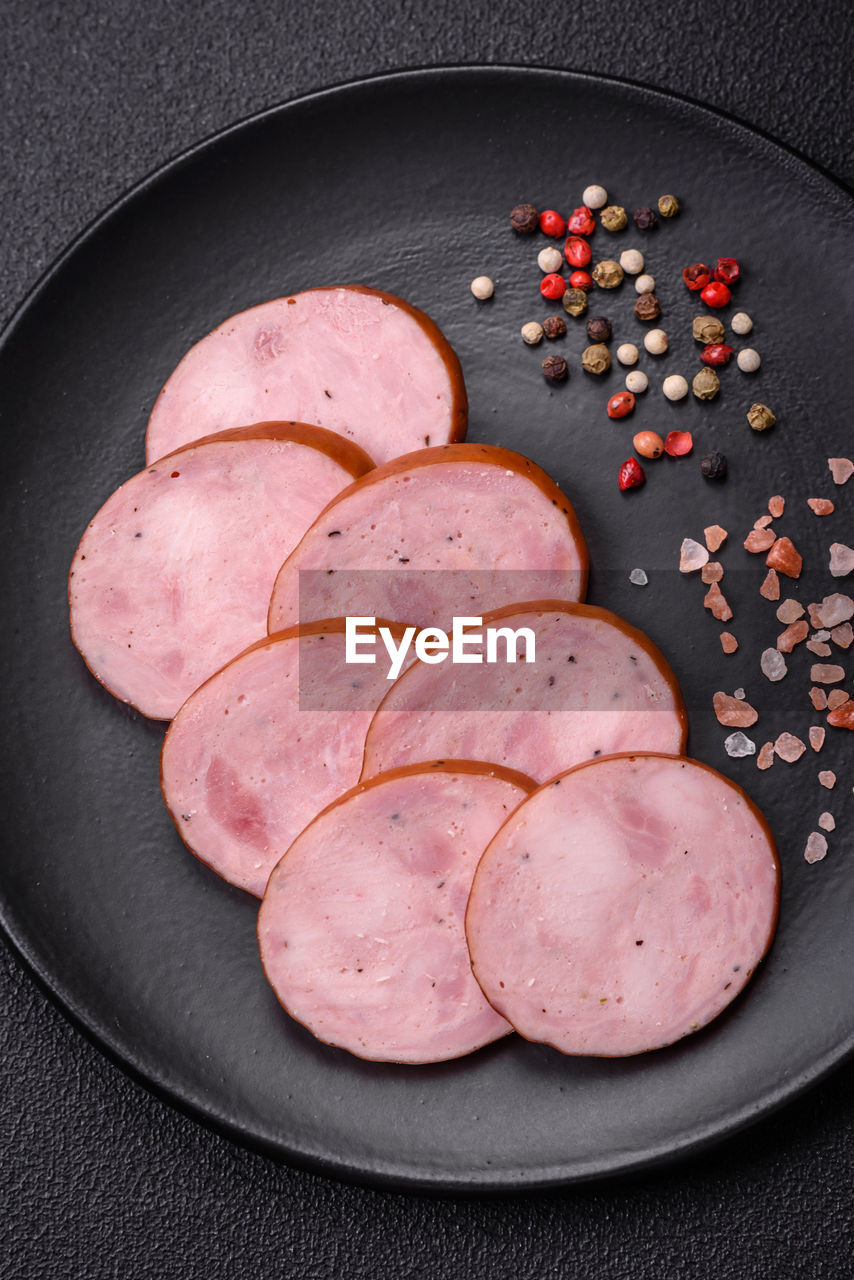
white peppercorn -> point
(741, 322)
(631, 260)
(748, 360)
(675, 387)
(627, 353)
(594, 196)
(656, 342)
(637, 381)
(645, 284)
(550, 259)
(532, 333)
(482, 288)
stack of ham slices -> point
(462, 851)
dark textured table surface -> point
(97, 1177)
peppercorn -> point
(668, 206)
(599, 329)
(596, 359)
(550, 259)
(524, 219)
(727, 271)
(675, 387)
(716, 294)
(741, 322)
(697, 276)
(645, 284)
(760, 417)
(621, 404)
(647, 307)
(532, 333)
(637, 381)
(648, 444)
(646, 219)
(714, 465)
(631, 474)
(575, 302)
(594, 196)
(678, 443)
(748, 360)
(656, 342)
(482, 288)
(708, 329)
(552, 224)
(627, 353)
(554, 327)
(552, 286)
(581, 221)
(581, 280)
(614, 218)
(577, 251)
(706, 384)
(555, 369)
(631, 260)
(608, 274)
(716, 353)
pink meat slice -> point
(361, 927)
(440, 533)
(264, 745)
(355, 360)
(173, 575)
(597, 686)
(623, 905)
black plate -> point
(405, 183)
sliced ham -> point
(173, 576)
(623, 905)
(445, 532)
(357, 361)
(264, 745)
(597, 686)
(361, 927)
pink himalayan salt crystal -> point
(821, 506)
(789, 748)
(817, 733)
(766, 756)
(692, 556)
(759, 540)
(842, 717)
(785, 558)
(715, 536)
(790, 610)
(762, 523)
(770, 588)
(826, 673)
(821, 635)
(819, 648)
(827, 778)
(734, 713)
(841, 469)
(841, 560)
(712, 572)
(818, 697)
(832, 610)
(715, 601)
(776, 505)
(836, 698)
(843, 636)
(729, 644)
(826, 821)
(816, 847)
(772, 664)
(740, 694)
(794, 634)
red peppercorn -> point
(581, 221)
(631, 474)
(552, 286)
(696, 277)
(727, 271)
(678, 443)
(716, 294)
(577, 252)
(621, 405)
(716, 353)
(552, 224)
(581, 280)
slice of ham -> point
(264, 745)
(355, 360)
(361, 927)
(445, 532)
(623, 905)
(173, 576)
(598, 686)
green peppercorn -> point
(647, 307)
(760, 417)
(575, 302)
(525, 219)
(714, 465)
(708, 329)
(614, 218)
(668, 206)
(596, 359)
(608, 274)
(706, 384)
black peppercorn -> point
(554, 326)
(524, 218)
(555, 369)
(645, 218)
(713, 466)
(647, 307)
(599, 329)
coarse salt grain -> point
(777, 505)
(790, 610)
(738, 745)
(789, 748)
(818, 697)
(638, 577)
(832, 610)
(821, 635)
(843, 636)
(819, 648)
(759, 540)
(692, 556)
(733, 713)
(770, 588)
(794, 634)
(841, 560)
(772, 664)
(712, 572)
(816, 847)
(714, 536)
(821, 506)
(827, 778)
(826, 821)
(826, 673)
(763, 522)
(817, 733)
(841, 469)
(729, 644)
(766, 756)
(715, 601)
(836, 698)
(842, 717)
